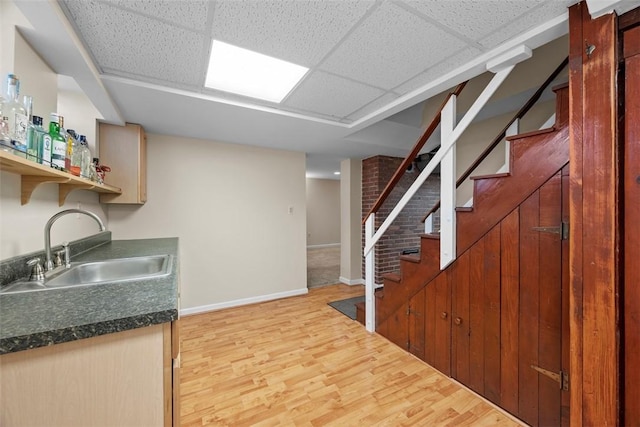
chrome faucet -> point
(48, 266)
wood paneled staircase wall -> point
(500, 308)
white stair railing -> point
(450, 136)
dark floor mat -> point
(347, 306)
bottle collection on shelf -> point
(23, 134)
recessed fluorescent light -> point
(336, 173)
(237, 70)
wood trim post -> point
(594, 238)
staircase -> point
(496, 318)
(535, 157)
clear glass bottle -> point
(74, 152)
(17, 115)
(5, 139)
(58, 143)
(35, 140)
(85, 165)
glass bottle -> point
(46, 148)
(35, 140)
(58, 143)
(85, 165)
(74, 153)
(17, 115)
(5, 139)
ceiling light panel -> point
(331, 95)
(391, 46)
(302, 32)
(244, 72)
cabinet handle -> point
(458, 321)
(443, 315)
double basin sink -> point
(98, 272)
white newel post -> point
(448, 176)
(370, 275)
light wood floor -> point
(299, 362)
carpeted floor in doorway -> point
(323, 266)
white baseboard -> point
(351, 282)
(328, 245)
(244, 301)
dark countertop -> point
(36, 319)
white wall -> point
(22, 227)
(229, 205)
(351, 221)
(323, 211)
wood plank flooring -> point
(299, 362)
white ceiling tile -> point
(372, 106)
(138, 46)
(391, 46)
(546, 12)
(189, 14)
(474, 18)
(331, 95)
(438, 70)
(302, 32)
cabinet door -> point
(438, 323)
(124, 150)
(417, 324)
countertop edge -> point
(44, 339)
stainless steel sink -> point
(92, 273)
(23, 286)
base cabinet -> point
(120, 379)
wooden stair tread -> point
(410, 258)
(435, 236)
(489, 176)
(529, 134)
(394, 277)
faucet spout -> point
(47, 232)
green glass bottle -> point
(58, 143)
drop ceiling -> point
(145, 61)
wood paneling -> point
(460, 319)
(476, 317)
(509, 310)
(417, 324)
(550, 302)
(593, 210)
(529, 309)
(443, 323)
(492, 315)
(632, 227)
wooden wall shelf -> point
(33, 174)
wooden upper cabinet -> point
(124, 150)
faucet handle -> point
(37, 272)
(67, 254)
(57, 261)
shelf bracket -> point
(65, 189)
(30, 182)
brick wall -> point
(405, 232)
